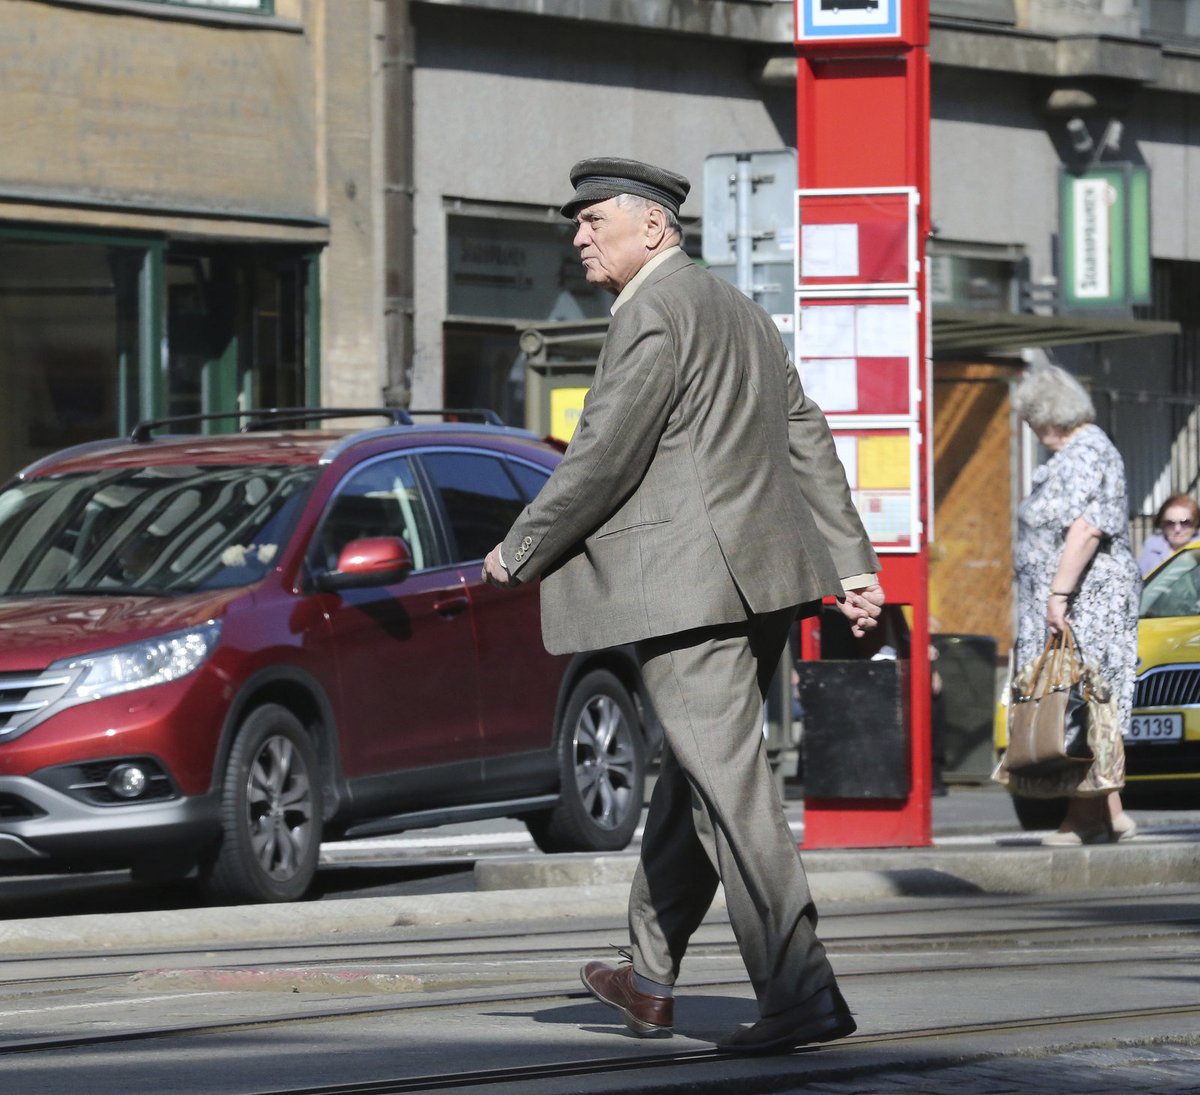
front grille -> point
(1173, 686)
(1168, 758)
(24, 696)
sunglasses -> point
(1187, 522)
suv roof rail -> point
(267, 418)
(261, 418)
(481, 414)
(270, 417)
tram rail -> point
(834, 1071)
(1025, 941)
(423, 1001)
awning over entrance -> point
(959, 332)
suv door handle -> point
(451, 606)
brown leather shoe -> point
(647, 1016)
(821, 1018)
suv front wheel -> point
(270, 817)
(602, 769)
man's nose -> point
(580, 234)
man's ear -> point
(656, 225)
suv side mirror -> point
(372, 561)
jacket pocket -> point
(636, 526)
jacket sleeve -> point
(823, 482)
(623, 418)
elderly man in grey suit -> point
(699, 508)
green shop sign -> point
(1104, 236)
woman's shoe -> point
(1063, 837)
(1123, 827)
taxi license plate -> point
(1155, 728)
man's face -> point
(612, 243)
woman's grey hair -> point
(1049, 397)
(636, 201)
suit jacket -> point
(700, 483)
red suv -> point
(217, 651)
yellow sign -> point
(566, 405)
(884, 463)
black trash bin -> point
(855, 737)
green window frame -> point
(142, 374)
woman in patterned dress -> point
(1073, 562)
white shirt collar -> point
(635, 282)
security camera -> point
(1081, 139)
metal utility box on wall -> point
(554, 398)
(856, 749)
(560, 364)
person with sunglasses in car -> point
(1178, 524)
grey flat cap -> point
(605, 177)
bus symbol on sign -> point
(829, 20)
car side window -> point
(381, 499)
(529, 479)
(479, 498)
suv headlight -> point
(140, 665)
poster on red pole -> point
(858, 356)
(881, 468)
(862, 238)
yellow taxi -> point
(1162, 742)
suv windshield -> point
(155, 530)
(1174, 589)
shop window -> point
(68, 344)
(510, 267)
(1171, 18)
(81, 326)
(977, 277)
(520, 269)
(235, 331)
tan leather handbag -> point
(1048, 711)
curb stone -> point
(585, 886)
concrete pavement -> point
(523, 887)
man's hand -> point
(862, 607)
(495, 573)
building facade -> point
(213, 204)
(1026, 95)
(189, 212)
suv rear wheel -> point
(602, 769)
(270, 821)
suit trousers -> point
(715, 816)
